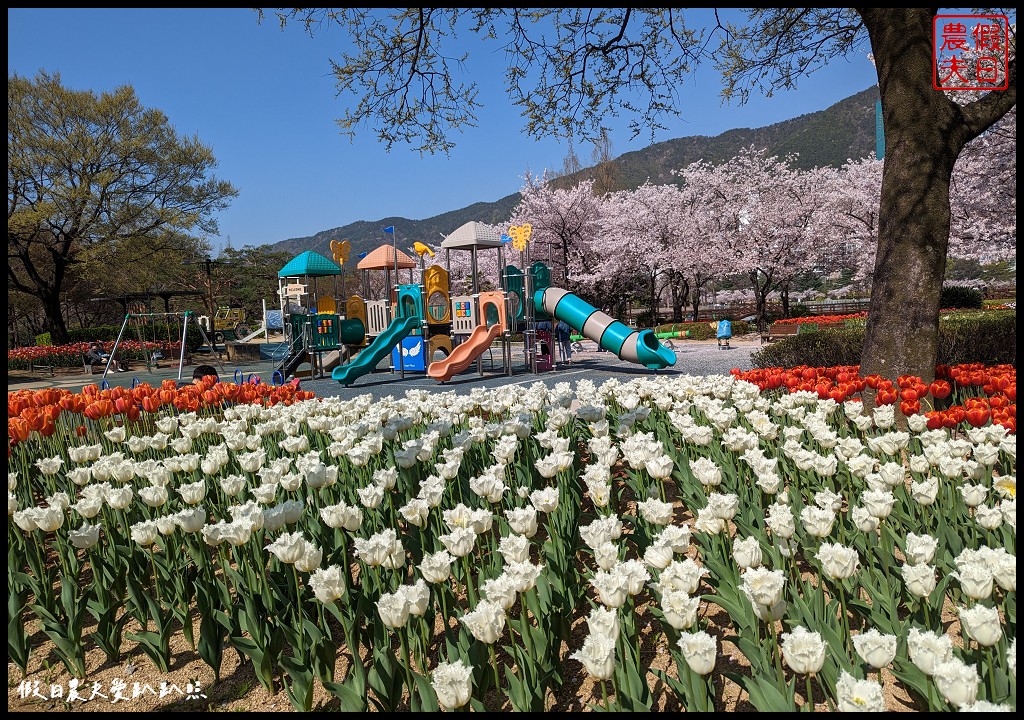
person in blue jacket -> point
(724, 332)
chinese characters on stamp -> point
(971, 52)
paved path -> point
(693, 357)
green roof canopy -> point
(311, 264)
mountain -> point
(831, 136)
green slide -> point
(373, 353)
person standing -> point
(563, 336)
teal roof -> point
(311, 264)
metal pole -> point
(184, 335)
(117, 342)
(476, 306)
(398, 281)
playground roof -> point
(311, 264)
(383, 258)
(472, 235)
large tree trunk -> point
(680, 289)
(54, 321)
(760, 298)
(784, 296)
(654, 300)
(923, 137)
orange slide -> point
(461, 357)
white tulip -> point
(514, 548)
(598, 656)
(957, 682)
(803, 650)
(920, 549)
(853, 695)
(486, 622)
(920, 580)
(875, 648)
(436, 567)
(927, 649)
(817, 521)
(981, 624)
(838, 561)
(700, 651)
(85, 537)
(328, 584)
(453, 684)
(523, 520)
(976, 580)
(288, 547)
(679, 609)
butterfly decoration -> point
(340, 250)
(520, 235)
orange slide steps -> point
(462, 356)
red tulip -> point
(978, 416)
(18, 429)
(886, 396)
(910, 407)
(909, 394)
(940, 389)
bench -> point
(38, 367)
(777, 330)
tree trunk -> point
(784, 296)
(654, 300)
(695, 303)
(680, 289)
(924, 134)
(760, 299)
(54, 320)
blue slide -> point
(639, 346)
(373, 353)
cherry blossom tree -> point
(641, 227)
(566, 225)
(707, 251)
(983, 195)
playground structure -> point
(314, 331)
(479, 318)
(528, 303)
(414, 322)
(411, 324)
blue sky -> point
(264, 100)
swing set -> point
(140, 321)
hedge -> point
(156, 332)
(702, 330)
(989, 338)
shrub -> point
(825, 348)
(960, 296)
(989, 338)
(161, 332)
(702, 329)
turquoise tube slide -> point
(373, 353)
(638, 346)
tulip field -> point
(774, 540)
